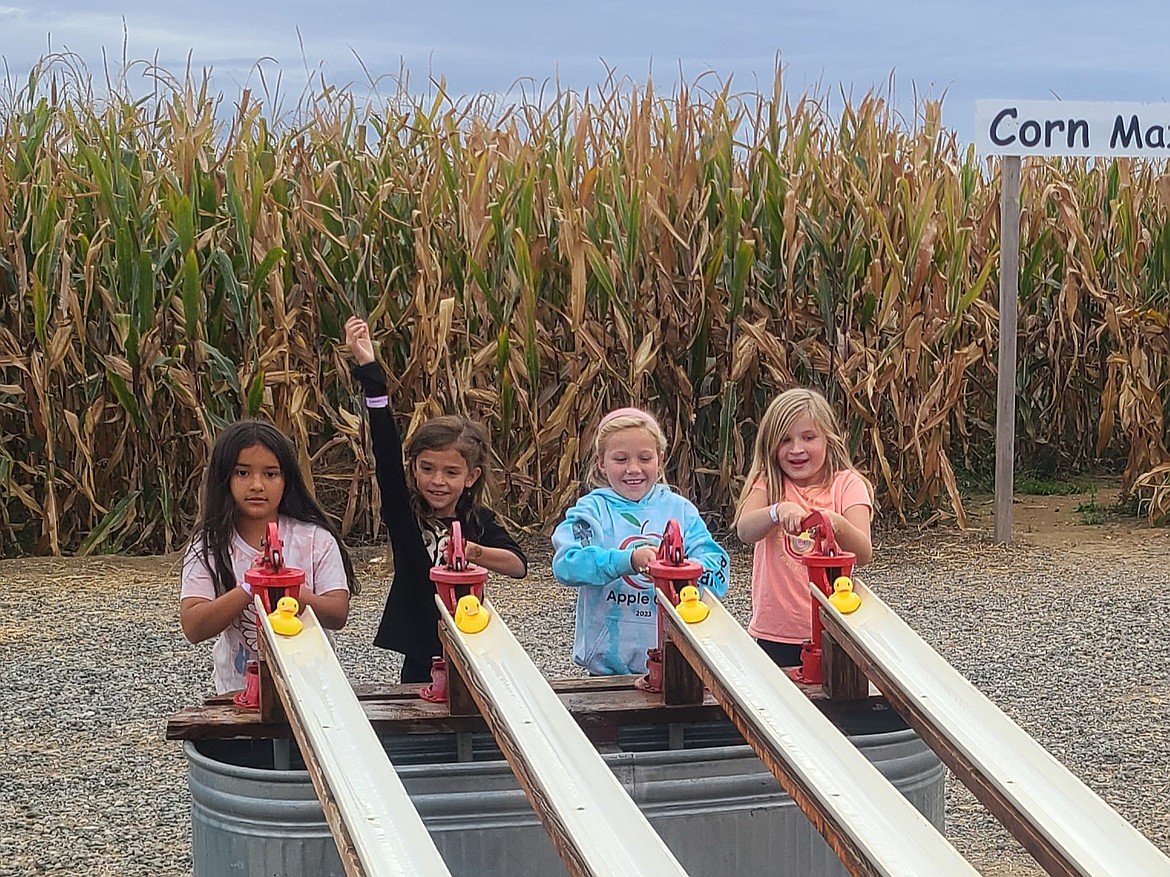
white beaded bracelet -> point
(774, 512)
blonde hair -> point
(613, 423)
(782, 413)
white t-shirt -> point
(306, 547)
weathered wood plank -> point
(595, 712)
(843, 679)
(459, 699)
(681, 685)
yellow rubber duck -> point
(843, 598)
(470, 615)
(284, 619)
(690, 607)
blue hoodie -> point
(617, 616)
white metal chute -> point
(1062, 822)
(868, 819)
(595, 825)
(377, 817)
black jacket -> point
(410, 619)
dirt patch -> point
(1089, 521)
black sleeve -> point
(491, 534)
(397, 511)
(371, 377)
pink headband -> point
(628, 412)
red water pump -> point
(825, 561)
(454, 577)
(269, 579)
(671, 571)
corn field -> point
(168, 265)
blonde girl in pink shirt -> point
(800, 463)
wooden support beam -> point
(459, 699)
(271, 709)
(1005, 389)
(681, 685)
(599, 713)
(600, 704)
(843, 679)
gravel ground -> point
(1070, 644)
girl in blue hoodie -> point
(604, 546)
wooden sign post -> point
(1015, 128)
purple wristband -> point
(377, 401)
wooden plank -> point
(680, 683)
(459, 699)
(1005, 388)
(1066, 827)
(397, 709)
(595, 711)
(377, 830)
(271, 708)
(866, 821)
(409, 691)
(594, 825)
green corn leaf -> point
(113, 519)
(192, 296)
(256, 394)
(125, 397)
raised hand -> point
(357, 337)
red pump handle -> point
(273, 555)
(455, 557)
(670, 550)
(824, 541)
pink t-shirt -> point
(306, 546)
(781, 603)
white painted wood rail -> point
(862, 816)
(378, 831)
(1067, 827)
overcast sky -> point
(1074, 50)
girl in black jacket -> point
(446, 462)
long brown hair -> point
(782, 413)
(452, 432)
(217, 515)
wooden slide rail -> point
(867, 822)
(595, 826)
(377, 829)
(1069, 830)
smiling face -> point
(630, 462)
(257, 484)
(802, 452)
(441, 477)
